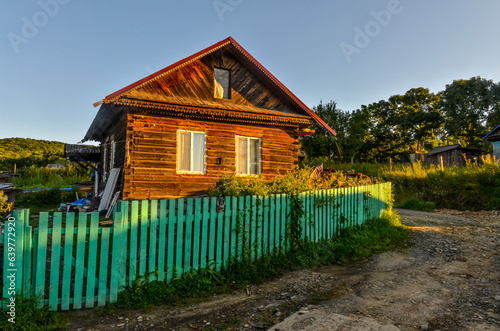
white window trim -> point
(112, 156)
(105, 163)
(191, 156)
(248, 156)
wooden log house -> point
(214, 114)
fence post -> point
(13, 256)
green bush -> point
(292, 182)
(415, 204)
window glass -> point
(198, 152)
(254, 151)
(221, 83)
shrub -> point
(5, 207)
(292, 182)
(415, 204)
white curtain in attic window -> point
(221, 82)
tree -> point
(322, 142)
(471, 108)
(417, 117)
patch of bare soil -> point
(449, 280)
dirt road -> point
(448, 280)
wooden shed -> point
(453, 155)
(214, 114)
(494, 137)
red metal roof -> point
(210, 49)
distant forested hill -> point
(26, 152)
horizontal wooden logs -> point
(151, 170)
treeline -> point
(416, 121)
(26, 152)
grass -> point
(42, 177)
(29, 317)
(353, 244)
(419, 185)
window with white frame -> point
(248, 155)
(191, 152)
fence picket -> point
(55, 261)
(116, 258)
(27, 243)
(233, 226)
(162, 239)
(272, 222)
(204, 233)
(92, 260)
(196, 233)
(253, 227)
(171, 239)
(153, 228)
(180, 237)
(247, 251)
(103, 268)
(265, 226)
(134, 239)
(188, 235)
(219, 242)
(241, 227)
(212, 236)
(124, 241)
(226, 231)
(41, 259)
(68, 257)
(277, 221)
(143, 251)
(80, 260)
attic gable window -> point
(221, 83)
(191, 152)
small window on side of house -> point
(191, 152)
(222, 86)
(248, 156)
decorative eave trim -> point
(215, 114)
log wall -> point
(150, 165)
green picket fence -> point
(71, 262)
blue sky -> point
(58, 57)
